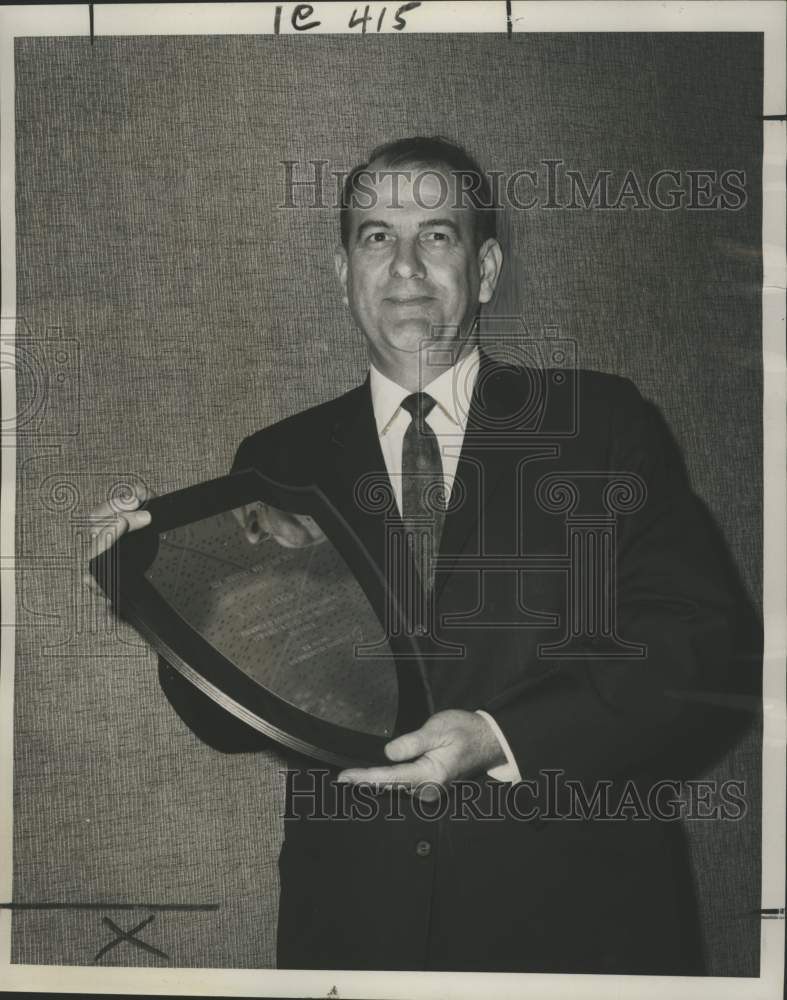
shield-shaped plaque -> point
(266, 600)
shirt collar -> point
(452, 391)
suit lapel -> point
(355, 476)
(502, 401)
(478, 471)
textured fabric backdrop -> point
(184, 309)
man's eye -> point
(436, 236)
(378, 237)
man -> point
(516, 705)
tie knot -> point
(419, 405)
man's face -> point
(412, 270)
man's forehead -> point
(412, 190)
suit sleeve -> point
(678, 707)
(207, 720)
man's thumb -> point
(407, 746)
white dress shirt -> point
(452, 392)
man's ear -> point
(340, 263)
(490, 262)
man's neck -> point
(416, 371)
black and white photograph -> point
(394, 574)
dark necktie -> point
(423, 486)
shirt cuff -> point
(503, 772)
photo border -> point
(766, 17)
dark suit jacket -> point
(550, 895)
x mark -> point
(129, 936)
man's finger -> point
(90, 582)
(114, 506)
(136, 519)
(104, 512)
(409, 745)
(107, 532)
(241, 515)
(286, 529)
(316, 534)
(408, 775)
(251, 519)
(293, 531)
(104, 535)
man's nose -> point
(407, 262)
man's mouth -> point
(409, 300)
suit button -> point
(423, 848)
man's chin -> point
(412, 335)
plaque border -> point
(120, 572)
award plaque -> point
(263, 597)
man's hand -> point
(451, 744)
(109, 521)
(293, 531)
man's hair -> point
(429, 153)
